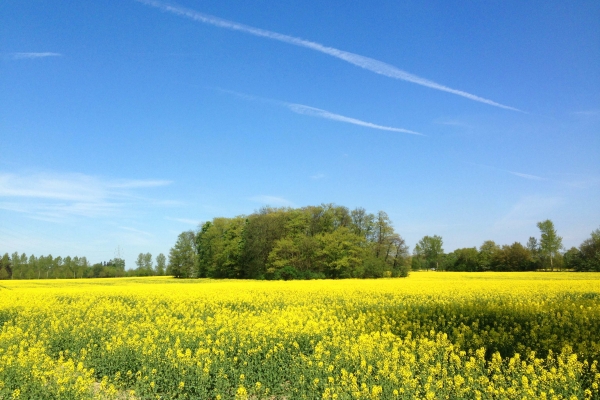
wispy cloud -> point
(317, 112)
(318, 176)
(272, 201)
(54, 197)
(527, 176)
(131, 184)
(519, 174)
(367, 63)
(23, 56)
(320, 113)
(72, 187)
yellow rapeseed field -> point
(433, 335)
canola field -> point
(433, 335)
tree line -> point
(21, 266)
(325, 241)
(330, 241)
(546, 254)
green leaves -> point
(314, 241)
(550, 243)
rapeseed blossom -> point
(432, 336)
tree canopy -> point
(325, 241)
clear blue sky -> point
(124, 123)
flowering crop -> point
(433, 335)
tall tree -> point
(550, 243)
(144, 264)
(161, 264)
(382, 232)
(182, 257)
(147, 258)
(431, 248)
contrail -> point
(515, 173)
(379, 67)
(19, 56)
(526, 176)
(319, 113)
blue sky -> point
(125, 123)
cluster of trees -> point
(146, 267)
(543, 254)
(587, 256)
(332, 242)
(20, 266)
(325, 241)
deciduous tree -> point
(550, 243)
(182, 257)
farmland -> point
(432, 335)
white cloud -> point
(367, 63)
(318, 176)
(54, 197)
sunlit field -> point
(432, 335)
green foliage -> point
(430, 250)
(487, 254)
(550, 243)
(589, 256)
(144, 265)
(513, 258)
(466, 259)
(161, 264)
(305, 243)
(5, 267)
(182, 257)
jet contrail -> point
(319, 113)
(515, 173)
(379, 67)
(19, 56)
(526, 176)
